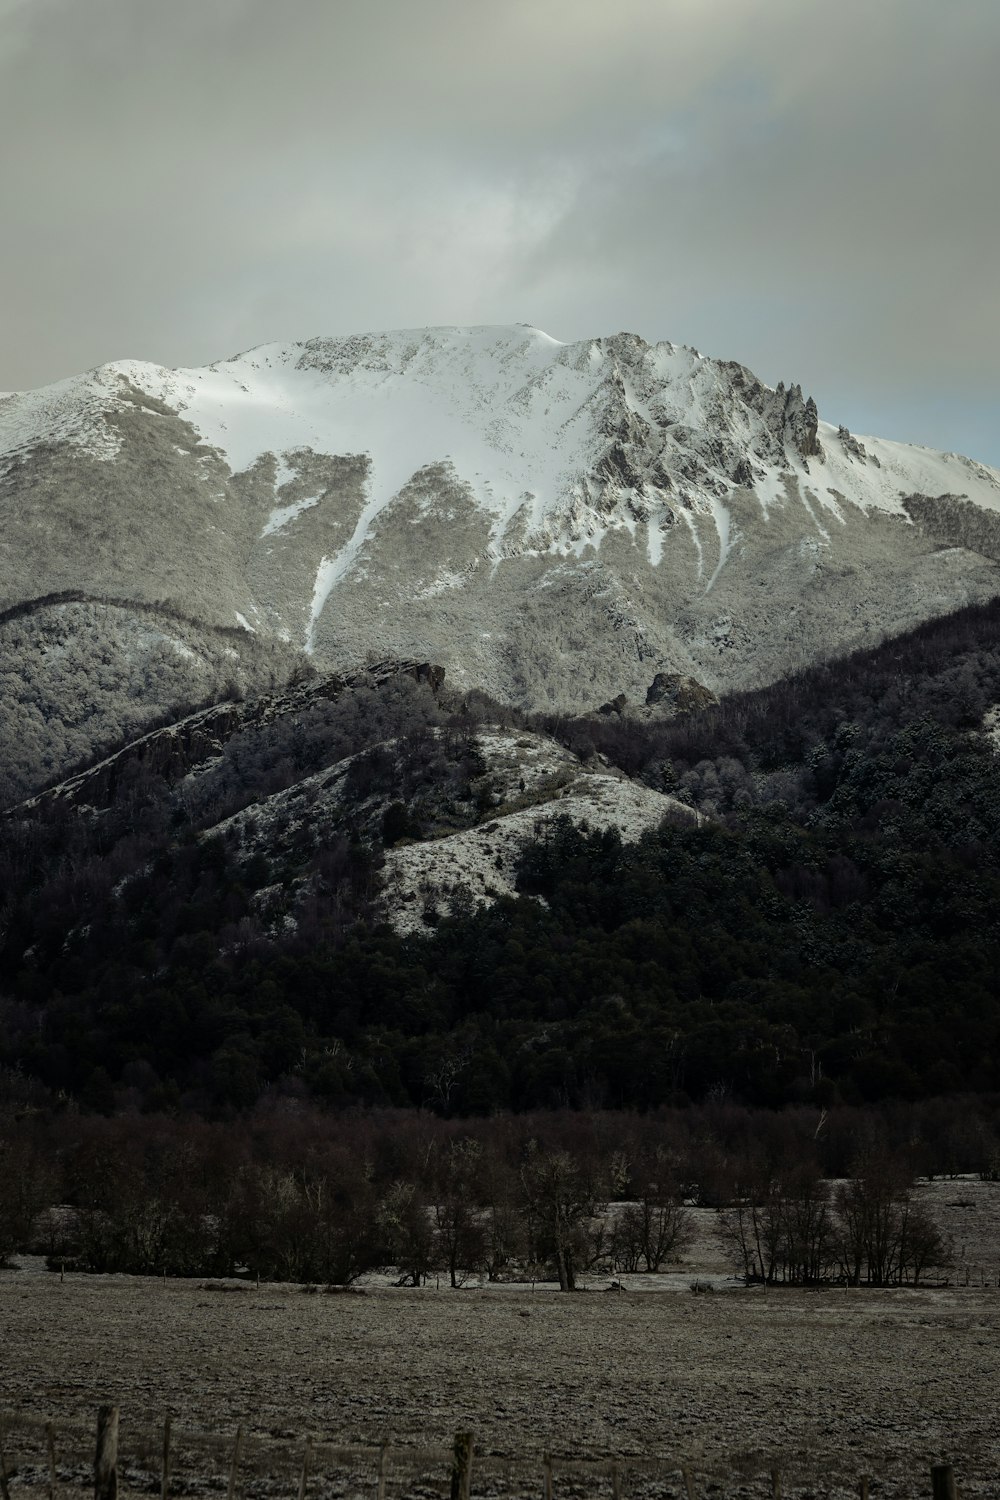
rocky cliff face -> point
(556, 523)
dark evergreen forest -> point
(829, 936)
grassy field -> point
(825, 1385)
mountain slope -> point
(555, 523)
(203, 924)
(462, 826)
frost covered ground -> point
(825, 1386)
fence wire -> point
(263, 1467)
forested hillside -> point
(830, 933)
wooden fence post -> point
(50, 1440)
(616, 1483)
(165, 1476)
(461, 1466)
(863, 1487)
(234, 1466)
(4, 1491)
(383, 1464)
(546, 1476)
(943, 1482)
(106, 1457)
(688, 1479)
(304, 1476)
(776, 1483)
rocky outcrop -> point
(855, 447)
(683, 694)
(801, 423)
(550, 522)
(791, 423)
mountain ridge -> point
(554, 523)
(353, 891)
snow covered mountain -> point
(557, 523)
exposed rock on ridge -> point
(555, 523)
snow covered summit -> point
(555, 522)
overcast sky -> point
(811, 187)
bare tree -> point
(560, 1197)
(27, 1184)
(884, 1234)
(869, 1210)
(657, 1227)
(808, 1242)
(779, 1225)
(751, 1225)
(500, 1194)
(406, 1230)
(461, 1234)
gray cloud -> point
(807, 186)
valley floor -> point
(826, 1386)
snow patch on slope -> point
(72, 411)
(898, 469)
(482, 861)
(558, 444)
(723, 525)
(444, 581)
(282, 515)
(332, 569)
(533, 781)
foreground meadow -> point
(826, 1386)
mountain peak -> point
(556, 522)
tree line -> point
(323, 1199)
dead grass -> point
(828, 1385)
(825, 1386)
